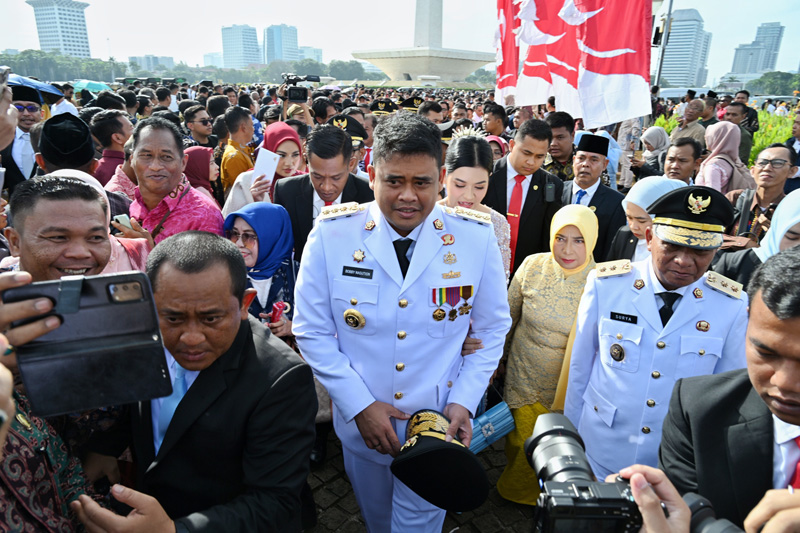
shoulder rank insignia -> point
(469, 214)
(610, 269)
(724, 285)
(332, 212)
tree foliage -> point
(778, 83)
(52, 66)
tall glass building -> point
(280, 43)
(239, 46)
(686, 53)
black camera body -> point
(294, 94)
(586, 506)
(571, 500)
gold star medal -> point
(438, 298)
(359, 255)
(466, 294)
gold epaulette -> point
(469, 214)
(724, 285)
(332, 212)
(610, 269)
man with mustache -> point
(642, 326)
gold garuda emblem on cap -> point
(698, 205)
(340, 123)
(417, 101)
(381, 105)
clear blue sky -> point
(157, 27)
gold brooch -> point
(703, 326)
(438, 224)
(369, 226)
(449, 258)
(638, 284)
(359, 255)
(698, 293)
(451, 275)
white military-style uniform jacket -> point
(625, 363)
(369, 334)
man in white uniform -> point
(642, 326)
(385, 296)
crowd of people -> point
(404, 249)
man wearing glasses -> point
(199, 124)
(753, 208)
(18, 158)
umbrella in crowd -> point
(91, 86)
(49, 94)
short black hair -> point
(162, 93)
(227, 90)
(183, 105)
(105, 124)
(299, 126)
(741, 105)
(326, 141)
(353, 110)
(219, 128)
(320, 106)
(158, 123)
(407, 134)
(48, 187)
(744, 92)
(496, 110)
(429, 106)
(469, 151)
(192, 252)
(790, 149)
(216, 105)
(190, 113)
(129, 97)
(697, 150)
(236, 116)
(245, 101)
(108, 100)
(166, 114)
(144, 101)
(536, 129)
(777, 285)
(87, 113)
(561, 119)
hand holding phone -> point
(123, 220)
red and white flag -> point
(507, 44)
(592, 55)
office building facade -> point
(61, 25)
(280, 43)
(239, 46)
(686, 53)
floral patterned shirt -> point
(189, 211)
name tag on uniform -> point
(364, 273)
(630, 319)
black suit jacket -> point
(537, 212)
(623, 246)
(296, 194)
(607, 205)
(717, 441)
(14, 175)
(235, 455)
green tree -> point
(306, 67)
(775, 83)
(346, 70)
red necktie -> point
(514, 209)
(795, 481)
(328, 203)
(366, 157)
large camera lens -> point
(555, 450)
(704, 519)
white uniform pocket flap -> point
(603, 408)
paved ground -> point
(338, 511)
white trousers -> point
(388, 505)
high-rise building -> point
(152, 63)
(686, 53)
(239, 46)
(770, 35)
(309, 52)
(280, 43)
(214, 59)
(61, 25)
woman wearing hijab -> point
(201, 169)
(544, 297)
(280, 139)
(783, 233)
(499, 146)
(722, 140)
(263, 234)
(629, 242)
(656, 142)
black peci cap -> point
(66, 141)
(445, 474)
(593, 143)
(695, 217)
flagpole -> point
(663, 44)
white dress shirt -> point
(785, 452)
(319, 203)
(511, 175)
(16, 152)
(155, 404)
(589, 192)
(414, 236)
(640, 253)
